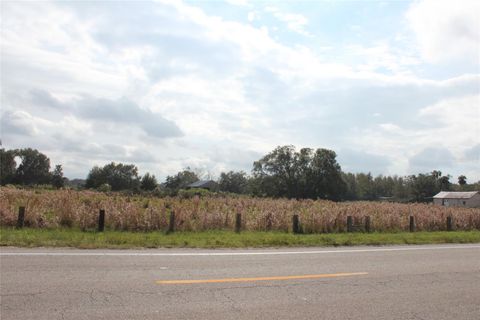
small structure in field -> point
(209, 185)
(457, 199)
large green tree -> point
(118, 175)
(181, 180)
(327, 174)
(34, 167)
(148, 182)
(276, 172)
(235, 182)
(284, 172)
(8, 166)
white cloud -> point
(446, 129)
(446, 30)
(295, 22)
(391, 128)
(382, 56)
(228, 86)
(53, 49)
(457, 122)
(238, 2)
(18, 123)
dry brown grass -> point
(67, 208)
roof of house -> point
(455, 195)
(201, 183)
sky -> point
(393, 87)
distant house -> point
(204, 184)
(458, 199)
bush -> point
(105, 188)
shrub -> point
(105, 188)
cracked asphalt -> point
(420, 282)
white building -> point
(457, 199)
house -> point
(204, 184)
(457, 199)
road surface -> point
(407, 282)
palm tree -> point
(462, 180)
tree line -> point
(283, 172)
(413, 188)
(33, 168)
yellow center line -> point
(308, 276)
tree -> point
(7, 166)
(436, 174)
(33, 169)
(276, 171)
(235, 182)
(422, 187)
(119, 176)
(462, 180)
(148, 182)
(326, 172)
(304, 174)
(383, 186)
(400, 189)
(351, 186)
(58, 181)
(181, 180)
(365, 186)
(96, 177)
(444, 183)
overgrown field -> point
(79, 209)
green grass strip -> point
(218, 239)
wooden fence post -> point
(238, 222)
(367, 224)
(171, 224)
(449, 223)
(295, 224)
(349, 224)
(101, 220)
(21, 217)
(412, 224)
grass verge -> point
(218, 239)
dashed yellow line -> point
(309, 276)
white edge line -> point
(253, 253)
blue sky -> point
(392, 86)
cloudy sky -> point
(392, 86)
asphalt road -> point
(414, 282)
